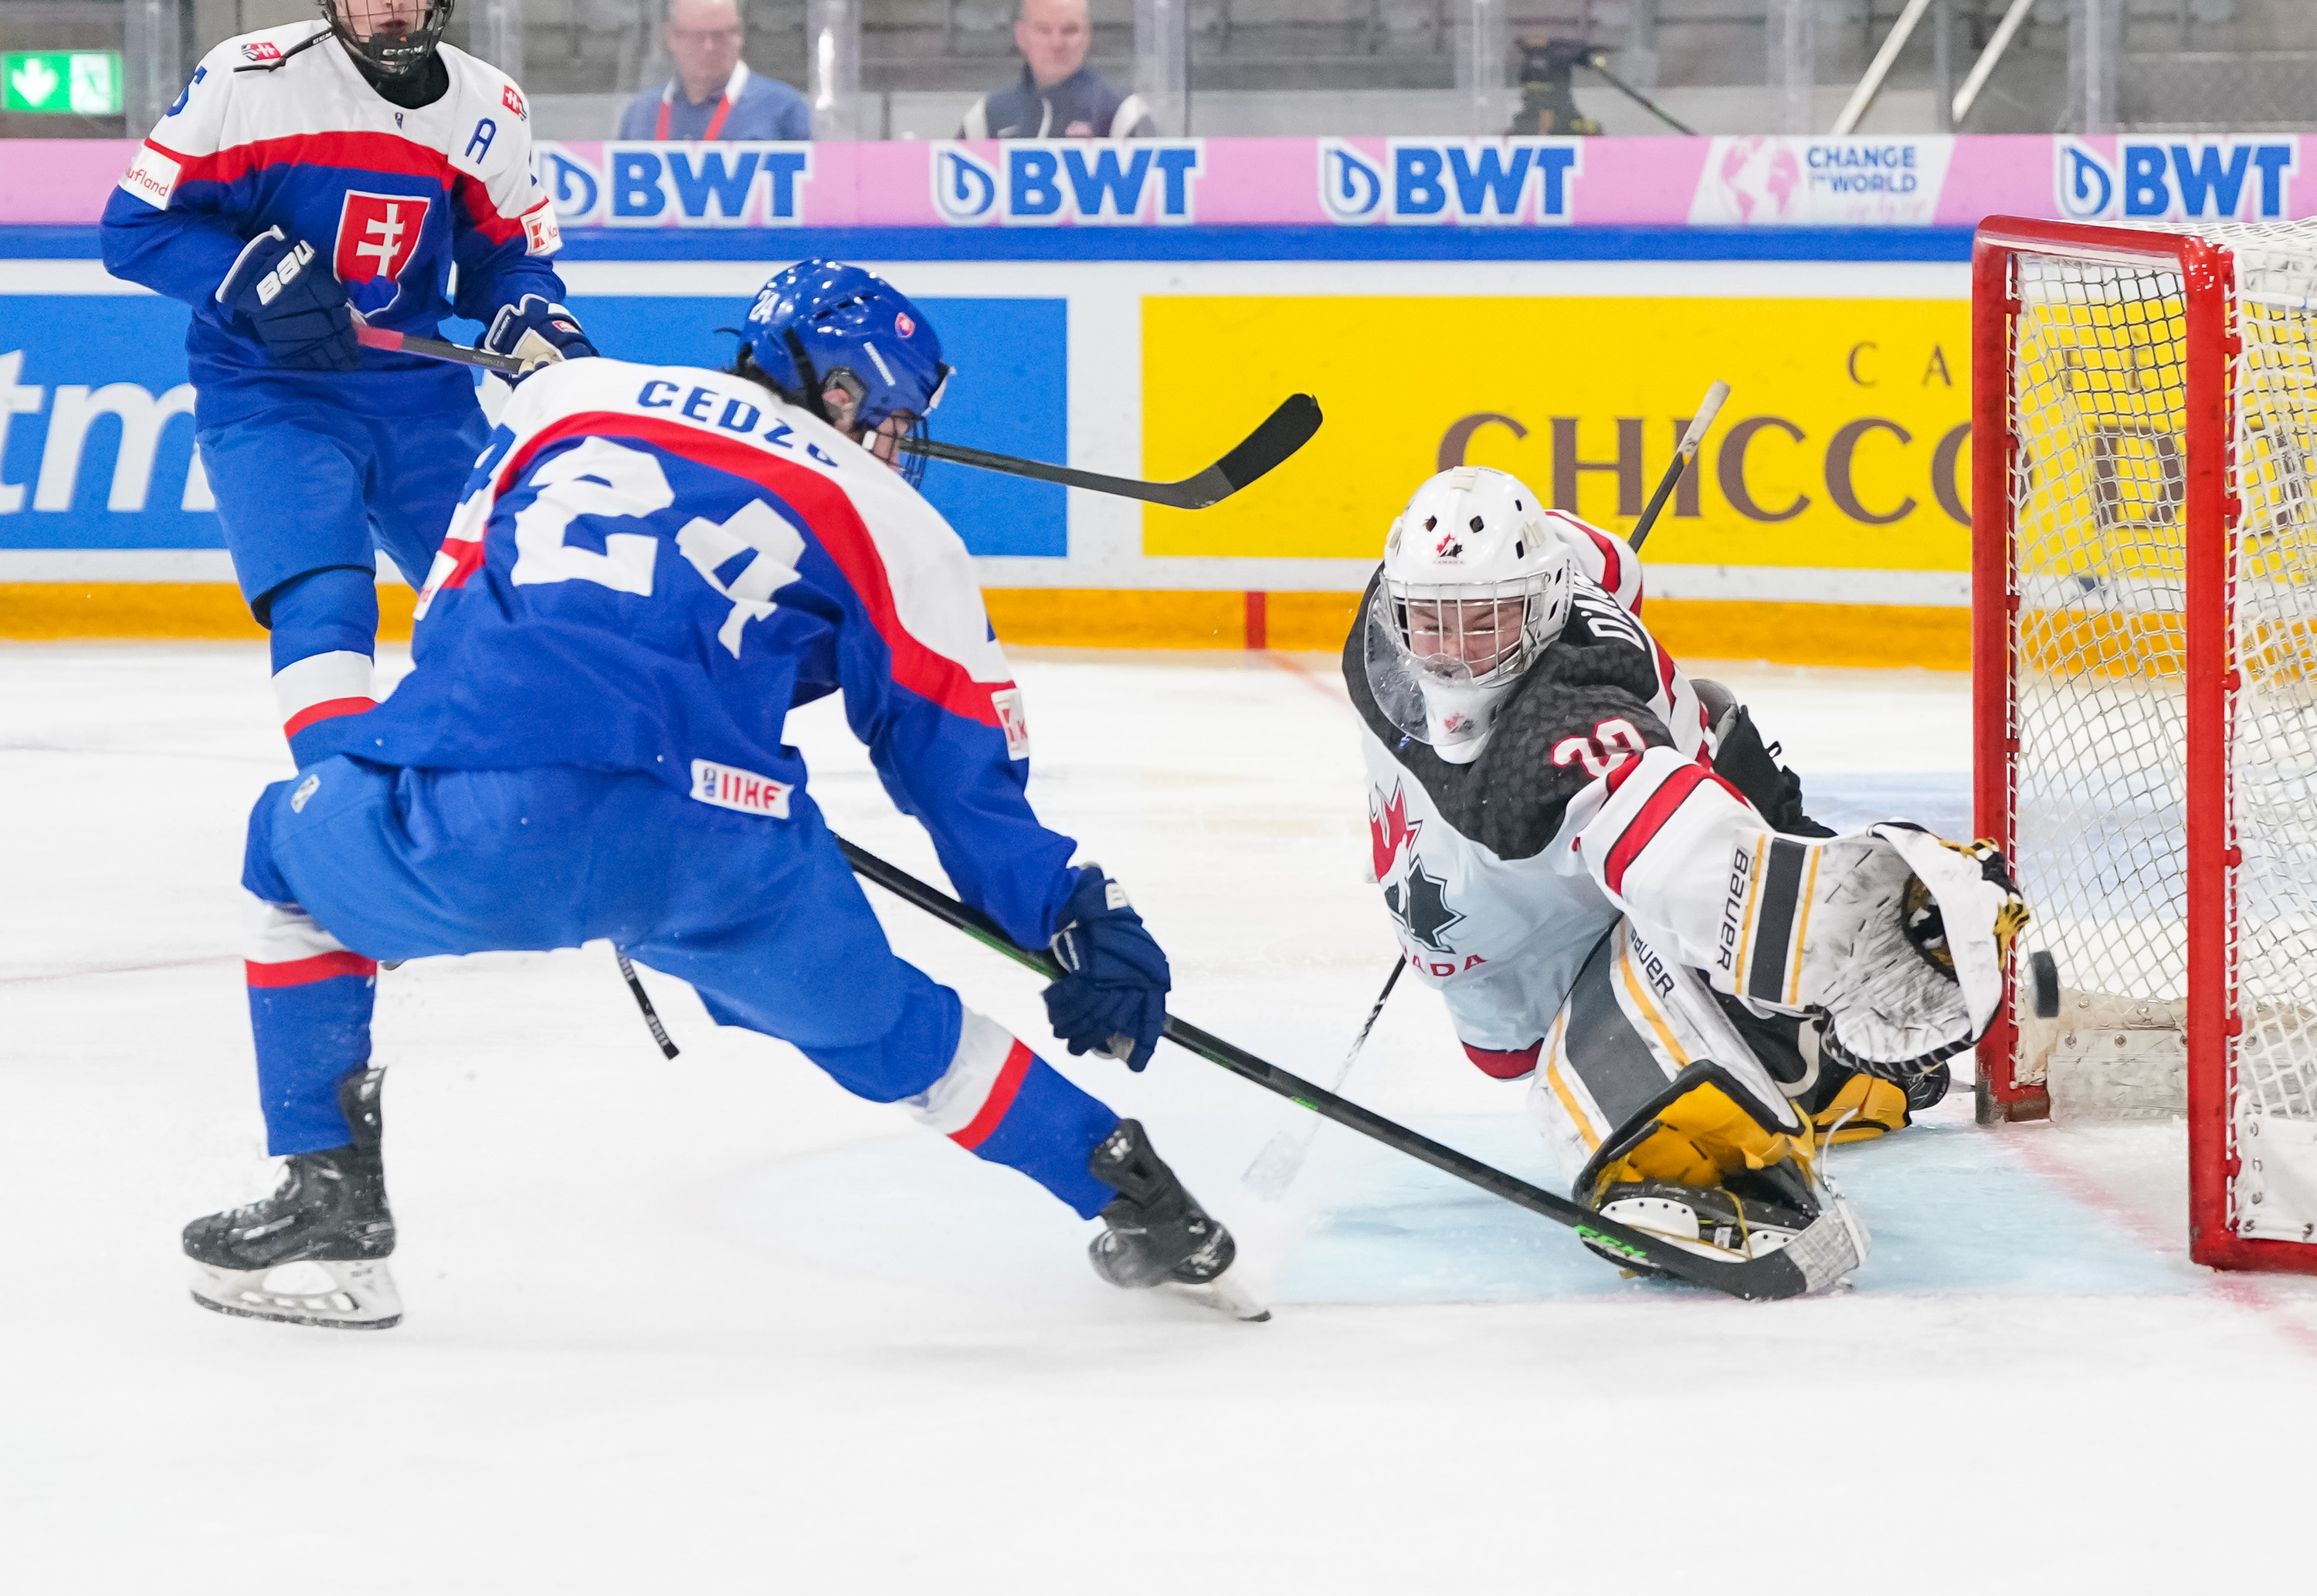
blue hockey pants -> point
(357, 862)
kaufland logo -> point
(1432, 181)
(1088, 183)
(2186, 179)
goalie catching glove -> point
(1897, 938)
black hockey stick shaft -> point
(1775, 1276)
(437, 348)
(643, 1001)
(1684, 453)
(1284, 432)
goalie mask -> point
(1474, 589)
(391, 37)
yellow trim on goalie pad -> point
(1558, 1083)
(1702, 1137)
(1880, 1107)
(1645, 1003)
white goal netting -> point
(2099, 480)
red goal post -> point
(2144, 693)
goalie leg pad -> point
(1632, 1025)
(1863, 1109)
(1663, 1115)
(1707, 1168)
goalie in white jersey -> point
(1614, 887)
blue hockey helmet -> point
(848, 346)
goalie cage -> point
(2144, 668)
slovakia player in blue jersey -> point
(309, 173)
(651, 566)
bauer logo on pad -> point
(745, 790)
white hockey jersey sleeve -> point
(1671, 844)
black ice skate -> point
(1155, 1232)
(329, 1213)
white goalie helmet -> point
(1475, 587)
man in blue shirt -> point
(1057, 96)
(714, 95)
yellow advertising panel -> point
(1846, 442)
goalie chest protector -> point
(1473, 859)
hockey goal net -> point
(2144, 660)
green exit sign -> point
(67, 82)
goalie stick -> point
(1274, 1168)
(1684, 453)
(1817, 1258)
(1284, 432)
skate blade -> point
(1223, 1295)
(362, 1296)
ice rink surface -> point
(711, 1325)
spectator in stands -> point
(1060, 96)
(714, 95)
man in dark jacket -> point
(1058, 96)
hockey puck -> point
(2043, 985)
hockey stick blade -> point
(1284, 432)
(436, 349)
(1819, 1257)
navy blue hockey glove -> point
(1112, 998)
(295, 301)
(536, 331)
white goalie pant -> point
(1632, 1023)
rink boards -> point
(1827, 522)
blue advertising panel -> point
(96, 416)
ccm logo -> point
(745, 790)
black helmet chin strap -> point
(806, 373)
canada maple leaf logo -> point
(1389, 828)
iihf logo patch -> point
(377, 234)
(262, 52)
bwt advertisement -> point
(1351, 182)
